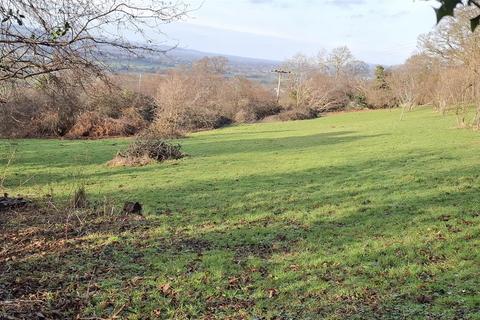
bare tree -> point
(323, 82)
(458, 50)
(454, 93)
(301, 67)
(212, 65)
(44, 36)
(203, 97)
(447, 8)
(453, 42)
(415, 82)
(405, 88)
(339, 60)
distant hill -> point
(255, 69)
(251, 68)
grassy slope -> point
(353, 215)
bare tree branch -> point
(44, 36)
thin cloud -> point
(346, 3)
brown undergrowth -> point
(45, 272)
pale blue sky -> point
(377, 31)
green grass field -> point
(351, 216)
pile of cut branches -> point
(147, 149)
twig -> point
(474, 2)
(115, 314)
(9, 162)
(8, 302)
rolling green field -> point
(350, 216)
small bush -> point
(245, 116)
(297, 114)
(76, 106)
(17, 111)
(378, 98)
(134, 118)
(147, 149)
(166, 130)
(114, 103)
(35, 112)
(203, 98)
(93, 125)
(176, 123)
(46, 124)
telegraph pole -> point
(280, 73)
(139, 82)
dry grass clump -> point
(79, 199)
(145, 150)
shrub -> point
(134, 118)
(46, 109)
(247, 101)
(379, 98)
(94, 125)
(245, 116)
(163, 128)
(17, 112)
(358, 101)
(113, 102)
(297, 114)
(83, 106)
(203, 98)
(72, 105)
(46, 124)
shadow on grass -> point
(257, 145)
(54, 153)
(220, 133)
(369, 239)
(67, 160)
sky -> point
(376, 31)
